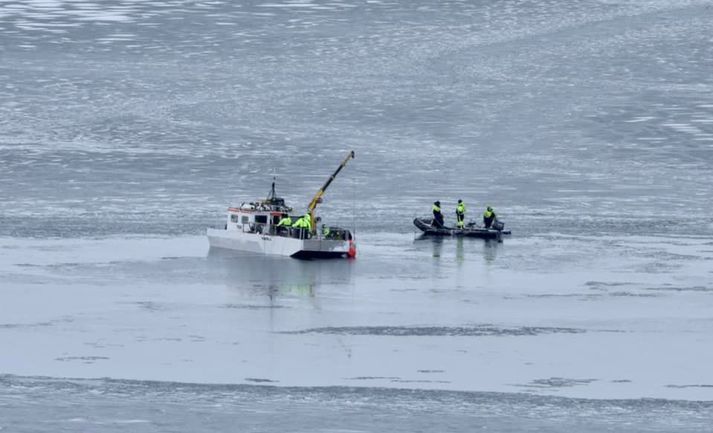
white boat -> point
(253, 227)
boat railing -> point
(258, 228)
(290, 232)
(335, 233)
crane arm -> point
(317, 197)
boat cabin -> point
(255, 218)
(262, 216)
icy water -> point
(127, 127)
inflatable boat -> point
(469, 231)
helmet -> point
(460, 201)
(490, 209)
(437, 203)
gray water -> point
(127, 127)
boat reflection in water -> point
(260, 276)
(462, 248)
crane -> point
(318, 197)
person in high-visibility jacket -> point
(304, 225)
(488, 217)
(303, 222)
(286, 221)
(283, 226)
(460, 214)
(437, 214)
(297, 227)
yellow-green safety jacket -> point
(303, 223)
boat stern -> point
(325, 249)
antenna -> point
(272, 195)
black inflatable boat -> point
(470, 230)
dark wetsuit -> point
(437, 216)
(488, 218)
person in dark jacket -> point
(437, 214)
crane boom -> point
(317, 197)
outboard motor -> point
(498, 225)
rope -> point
(354, 207)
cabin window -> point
(234, 218)
(246, 219)
(261, 219)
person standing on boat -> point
(460, 214)
(307, 218)
(297, 227)
(488, 217)
(437, 214)
(284, 224)
(286, 221)
(304, 225)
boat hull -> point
(424, 224)
(277, 245)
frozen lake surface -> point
(507, 336)
(554, 315)
(127, 128)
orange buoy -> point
(352, 250)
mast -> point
(274, 202)
(271, 196)
(318, 197)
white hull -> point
(276, 245)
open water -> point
(127, 127)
